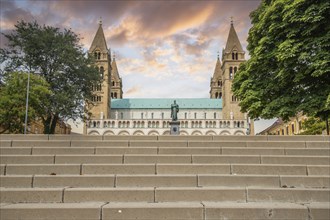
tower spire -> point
(99, 41)
(233, 41)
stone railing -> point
(162, 127)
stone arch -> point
(183, 133)
(225, 132)
(153, 132)
(166, 133)
(211, 133)
(123, 133)
(138, 132)
(93, 133)
(196, 133)
(239, 133)
(109, 133)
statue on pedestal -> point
(174, 111)
(175, 124)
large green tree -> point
(288, 71)
(59, 58)
(13, 100)
(313, 126)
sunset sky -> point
(164, 49)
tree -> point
(288, 71)
(313, 126)
(58, 57)
(13, 98)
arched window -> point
(185, 115)
(236, 56)
(115, 95)
(142, 115)
(219, 83)
(112, 95)
(220, 95)
(235, 69)
(113, 83)
(215, 115)
(216, 95)
(233, 56)
(230, 72)
(98, 55)
(204, 115)
(102, 72)
(195, 115)
(152, 115)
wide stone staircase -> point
(164, 177)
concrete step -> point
(153, 211)
(95, 169)
(42, 169)
(95, 159)
(162, 143)
(164, 150)
(162, 211)
(126, 150)
(51, 211)
(164, 194)
(262, 211)
(164, 180)
(29, 195)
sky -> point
(163, 49)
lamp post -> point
(27, 102)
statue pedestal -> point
(175, 128)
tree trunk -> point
(46, 124)
(53, 124)
(50, 124)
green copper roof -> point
(202, 103)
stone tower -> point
(116, 82)
(101, 99)
(216, 82)
(232, 56)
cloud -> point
(133, 91)
(157, 43)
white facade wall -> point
(165, 114)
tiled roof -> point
(153, 103)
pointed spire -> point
(217, 70)
(233, 41)
(99, 40)
(115, 72)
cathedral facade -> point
(220, 114)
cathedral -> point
(220, 114)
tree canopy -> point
(313, 126)
(288, 71)
(58, 57)
(13, 97)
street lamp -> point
(27, 102)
